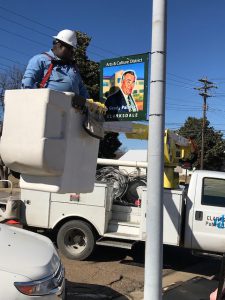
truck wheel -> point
(76, 240)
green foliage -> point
(89, 70)
(214, 144)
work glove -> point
(93, 123)
(98, 107)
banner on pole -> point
(124, 87)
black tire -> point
(76, 240)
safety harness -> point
(54, 62)
(49, 71)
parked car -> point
(30, 267)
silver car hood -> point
(26, 253)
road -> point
(112, 273)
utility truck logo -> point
(218, 222)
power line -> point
(96, 53)
(183, 109)
(100, 48)
(185, 83)
(189, 88)
(53, 29)
(15, 50)
(215, 109)
(14, 61)
(7, 66)
(179, 99)
(23, 37)
(26, 18)
(24, 26)
(3, 69)
(178, 76)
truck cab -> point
(205, 211)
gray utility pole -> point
(154, 212)
(207, 85)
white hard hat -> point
(67, 36)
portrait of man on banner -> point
(122, 100)
(124, 89)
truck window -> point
(213, 192)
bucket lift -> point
(44, 140)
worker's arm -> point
(33, 74)
(82, 88)
(83, 91)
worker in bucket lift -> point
(56, 69)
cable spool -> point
(118, 178)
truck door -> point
(208, 232)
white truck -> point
(193, 218)
(57, 161)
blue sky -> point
(195, 43)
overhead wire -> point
(179, 81)
(182, 86)
(186, 85)
(168, 99)
(178, 76)
(26, 18)
(184, 107)
(7, 66)
(14, 61)
(23, 37)
(14, 50)
(37, 42)
(24, 26)
(3, 69)
(52, 29)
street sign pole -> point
(154, 213)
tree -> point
(214, 144)
(10, 79)
(89, 70)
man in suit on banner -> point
(122, 101)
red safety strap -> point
(46, 77)
(49, 71)
(48, 74)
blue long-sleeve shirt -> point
(63, 78)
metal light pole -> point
(154, 213)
